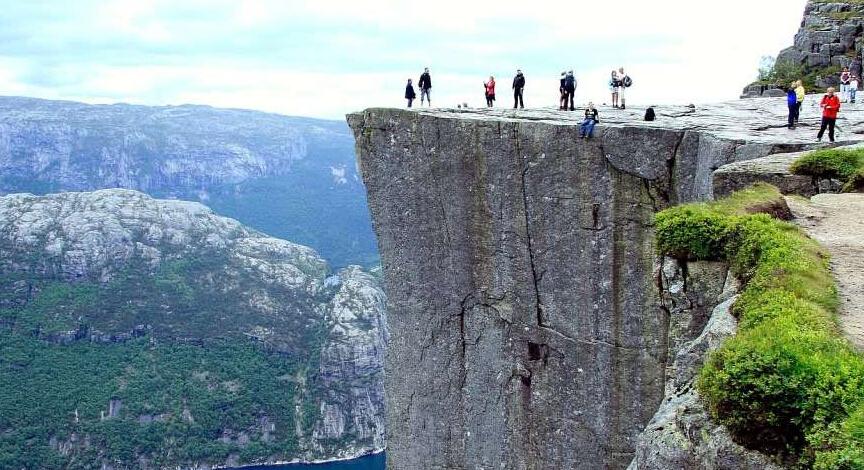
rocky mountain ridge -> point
(116, 270)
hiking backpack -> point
(627, 82)
(570, 81)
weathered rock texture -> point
(681, 435)
(527, 327)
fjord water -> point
(368, 462)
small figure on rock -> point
(425, 85)
(410, 94)
(562, 101)
(845, 77)
(489, 88)
(800, 94)
(853, 88)
(626, 82)
(792, 103)
(518, 90)
(586, 130)
(569, 90)
(649, 114)
(830, 107)
(614, 85)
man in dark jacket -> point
(569, 89)
(518, 87)
(425, 85)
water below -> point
(369, 462)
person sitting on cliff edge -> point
(586, 130)
(830, 107)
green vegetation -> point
(843, 164)
(783, 73)
(787, 384)
(176, 401)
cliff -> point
(293, 178)
(156, 334)
(528, 327)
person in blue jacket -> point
(792, 101)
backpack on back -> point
(627, 82)
(570, 81)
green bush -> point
(787, 384)
(845, 165)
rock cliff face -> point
(115, 273)
(294, 178)
(528, 330)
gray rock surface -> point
(266, 290)
(527, 327)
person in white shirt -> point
(625, 82)
(853, 88)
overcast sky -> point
(325, 58)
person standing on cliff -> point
(845, 77)
(792, 102)
(518, 90)
(410, 94)
(830, 107)
(425, 85)
(614, 85)
(853, 88)
(626, 82)
(800, 94)
(490, 91)
(562, 101)
(569, 90)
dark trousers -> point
(517, 98)
(798, 115)
(490, 100)
(569, 95)
(410, 100)
(793, 115)
(829, 123)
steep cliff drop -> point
(527, 329)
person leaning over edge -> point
(518, 90)
(830, 107)
(425, 85)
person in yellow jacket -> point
(800, 93)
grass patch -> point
(788, 384)
(842, 164)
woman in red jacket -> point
(490, 91)
(830, 107)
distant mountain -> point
(292, 178)
(140, 333)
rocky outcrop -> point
(113, 267)
(830, 35)
(681, 435)
(527, 327)
(293, 178)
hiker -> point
(410, 94)
(569, 90)
(518, 90)
(425, 85)
(490, 91)
(649, 114)
(800, 94)
(792, 103)
(830, 107)
(586, 130)
(626, 82)
(845, 77)
(562, 101)
(614, 85)
(853, 88)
